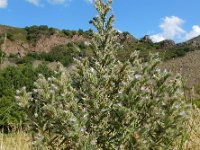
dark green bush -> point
(10, 36)
(197, 103)
(89, 33)
(180, 52)
(1, 56)
(81, 32)
(11, 79)
(69, 33)
(10, 114)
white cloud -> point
(90, 1)
(3, 3)
(54, 2)
(193, 33)
(157, 37)
(171, 29)
(34, 2)
(57, 1)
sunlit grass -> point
(193, 142)
(15, 141)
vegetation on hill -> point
(13, 33)
(197, 39)
(167, 49)
(35, 32)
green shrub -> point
(10, 114)
(197, 103)
(89, 33)
(10, 36)
(11, 79)
(104, 103)
(81, 32)
(1, 56)
(69, 33)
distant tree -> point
(81, 32)
(67, 32)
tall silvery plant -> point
(105, 103)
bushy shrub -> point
(11, 116)
(89, 33)
(11, 79)
(178, 51)
(197, 103)
(1, 56)
(69, 33)
(104, 103)
(10, 36)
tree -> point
(104, 103)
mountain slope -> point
(189, 67)
(36, 38)
(195, 42)
(32, 41)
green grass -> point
(18, 34)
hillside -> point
(21, 41)
(35, 38)
(189, 67)
(41, 44)
(195, 42)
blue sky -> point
(162, 19)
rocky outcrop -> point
(126, 37)
(44, 44)
(195, 42)
(167, 44)
(146, 39)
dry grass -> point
(193, 142)
(15, 141)
(188, 66)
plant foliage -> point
(104, 103)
